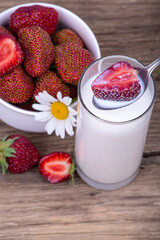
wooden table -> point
(33, 209)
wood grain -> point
(33, 209)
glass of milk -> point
(109, 143)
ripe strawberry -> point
(67, 35)
(17, 86)
(39, 50)
(70, 61)
(4, 30)
(11, 54)
(17, 154)
(51, 83)
(117, 83)
(26, 105)
(56, 167)
(73, 91)
(35, 15)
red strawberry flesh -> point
(11, 54)
(117, 83)
(55, 167)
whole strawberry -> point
(70, 61)
(35, 15)
(67, 35)
(38, 48)
(17, 86)
(73, 91)
(26, 105)
(17, 154)
(11, 54)
(4, 30)
(51, 83)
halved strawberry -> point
(56, 167)
(11, 54)
(117, 83)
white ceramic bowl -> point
(24, 119)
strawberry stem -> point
(73, 100)
(2, 146)
(6, 151)
(3, 163)
(72, 171)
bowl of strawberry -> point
(44, 49)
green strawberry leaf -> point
(73, 100)
(3, 163)
(9, 152)
(72, 171)
(4, 138)
(72, 168)
(6, 151)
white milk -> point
(109, 143)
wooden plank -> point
(30, 208)
(33, 209)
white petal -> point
(69, 128)
(43, 116)
(42, 101)
(57, 130)
(40, 107)
(62, 129)
(50, 98)
(46, 97)
(42, 96)
(51, 125)
(73, 120)
(59, 96)
(67, 101)
(72, 111)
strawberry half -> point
(11, 54)
(117, 83)
(56, 167)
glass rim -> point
(108, 121)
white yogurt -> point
(109, 143)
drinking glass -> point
(109, 144)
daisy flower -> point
(56, 112)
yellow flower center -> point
(59, 110)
